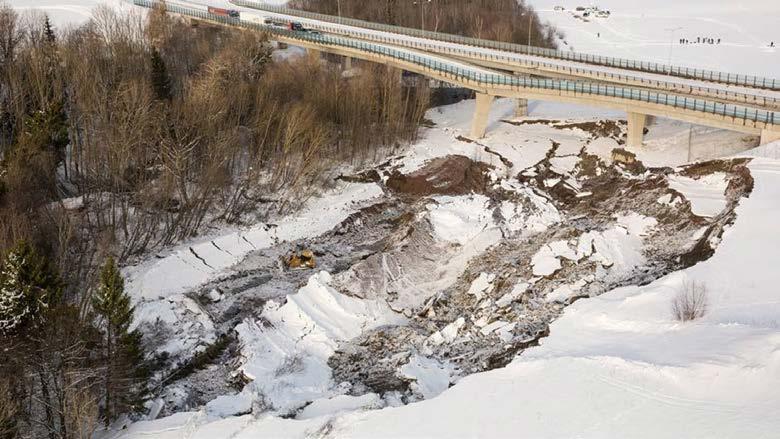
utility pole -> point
(530, 22)
(671, 40)
(690, 135)
(422, 13)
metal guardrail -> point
(471, 54)
(607, 61)
(465, 75)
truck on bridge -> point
(229, 13)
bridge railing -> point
(505, 57)
(649, 67)
(478, 78)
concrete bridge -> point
(758, 118)
(518, 59)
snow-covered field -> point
(66, 12)
(643, 30)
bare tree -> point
(691, 301)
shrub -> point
(690, 303)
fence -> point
(683, 72)
(484, 79)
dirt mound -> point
(450, 175)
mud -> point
(451, 175)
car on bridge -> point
(294, 25)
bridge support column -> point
(481, 112)
(522, 108)
(314, 52)
(347, 63)
(769, 136)
(636, 129)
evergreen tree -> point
(48, 128)
(28, 286)
(48, 31)
(126, 374)
(161, 82)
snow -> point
(460, 219)
(431, 378)
(566, 291)
(564, 165)
(634, 223)
(545, 262)
(602, 148)
(706, 194)
(339, 404)
(229, 405)
(481, 285)
(286, 350)
(516, 293)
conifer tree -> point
(125, 374)
(28, 286)
(48, 30)
(161, 82)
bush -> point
(690, 303)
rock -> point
(214, 295)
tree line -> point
(499, 20)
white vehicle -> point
(559, 8)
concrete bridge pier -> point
(347, 63)
(481, 113)
(522, 108)
(769, 136)
(636, 129)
